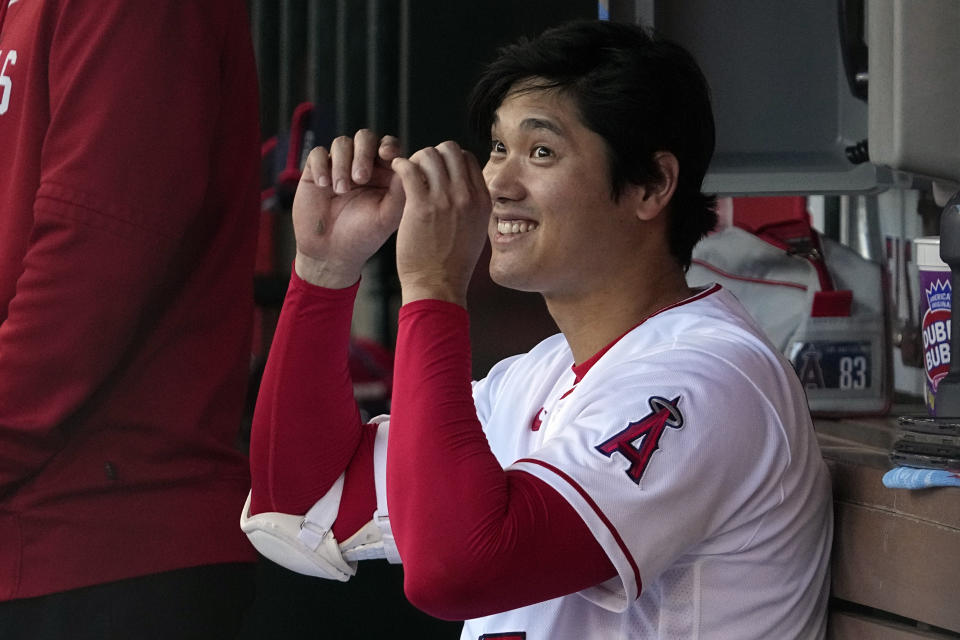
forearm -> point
(474, 538)
(306, 427)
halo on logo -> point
(657, 404)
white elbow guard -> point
(306, 544)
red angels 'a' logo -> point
(663, 413)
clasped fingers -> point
(360, 160)
(443, 179)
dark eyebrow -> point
(531, 124)
(537, 123)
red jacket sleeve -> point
(474, 539)
(123, 174)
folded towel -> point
(913, 478)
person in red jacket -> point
(129, 155)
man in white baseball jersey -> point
(649, 472)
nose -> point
(503, 178)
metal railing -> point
(345, 56)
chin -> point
(498, 273)
(511, 279)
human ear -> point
(656, 196)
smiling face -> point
(555, 229)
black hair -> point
(640, 93)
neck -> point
(592, 320)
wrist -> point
(324, 273)
(411, 291)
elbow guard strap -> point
(381, 517)
(374, 541)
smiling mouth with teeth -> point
(510, 227)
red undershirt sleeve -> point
(306, 427)
(474, 539)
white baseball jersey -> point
(688, 450)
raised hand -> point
(444, 222)
(348, 203)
